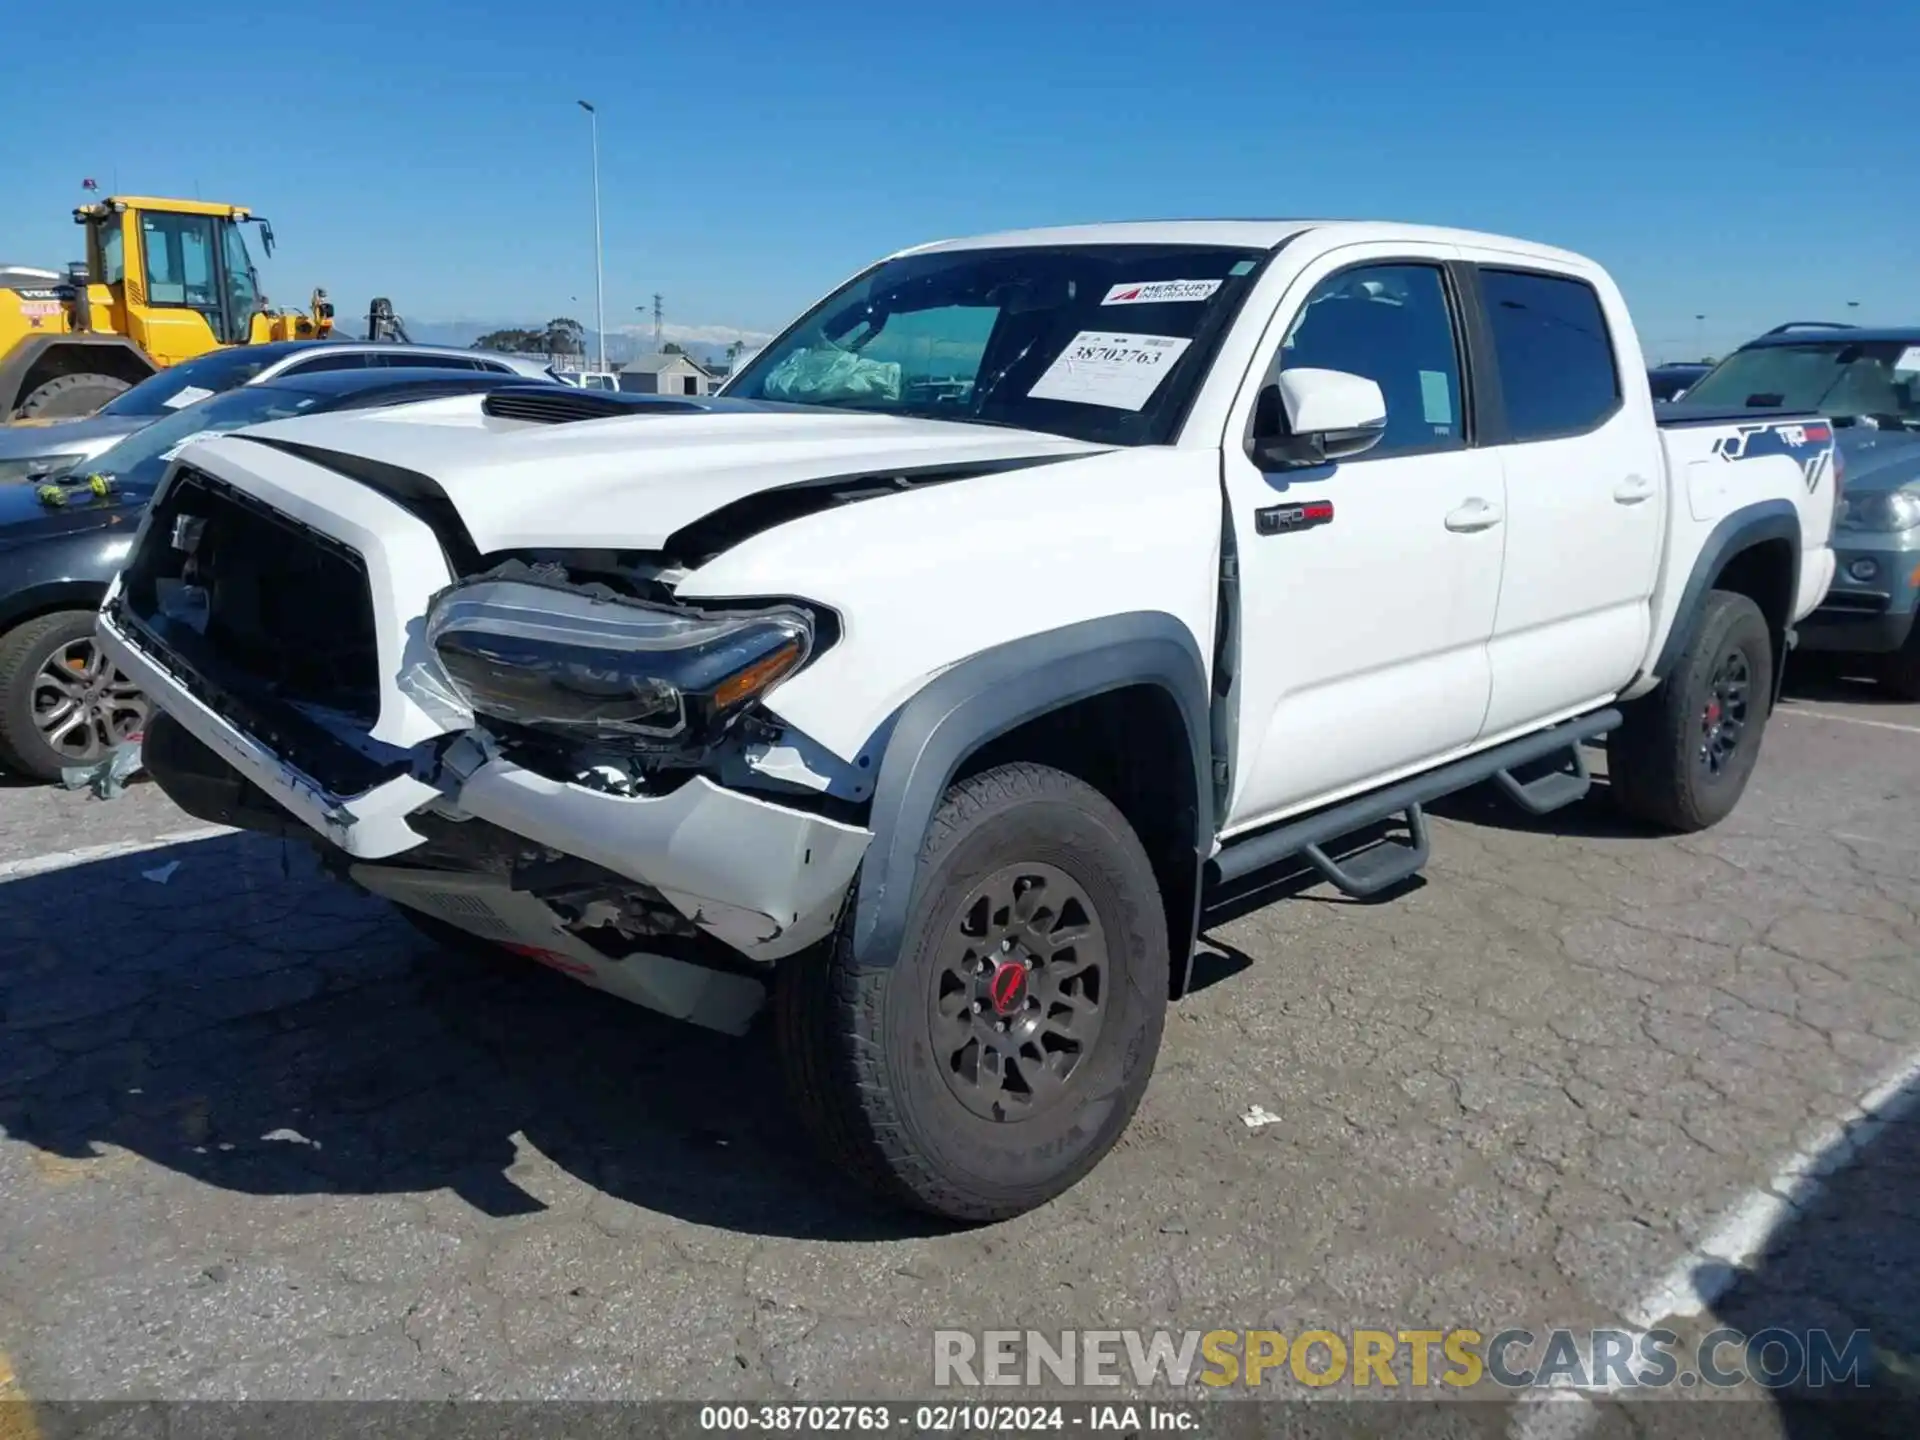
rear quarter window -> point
(1553, 352)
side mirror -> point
(1310, 417)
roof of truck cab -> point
(1838, 335)
(1252, 234)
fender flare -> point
(18, 362)
(1740, 530)
(986, 696)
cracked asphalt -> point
(262, 1142)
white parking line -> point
(1704, 1275)
(1792, 710)
(66, 859)
(1711, 1267)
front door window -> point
(243, 286)
(181, 268)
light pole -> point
(599, 261)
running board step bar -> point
(1391, 862)
(1546, 793)
(1378, 867)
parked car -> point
(1670, 382)
(61, 702)
(588, 379)
(32, 449)
(1022, 594)
(1868, 381)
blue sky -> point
(1744, 160)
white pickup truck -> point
(1022, 594)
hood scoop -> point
(538, 404)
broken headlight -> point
(602, 667)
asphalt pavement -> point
(261, 1141)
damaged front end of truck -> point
(543, 749)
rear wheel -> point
(69, 397)
(1683, 755)
(1001, 1056)
(62, 702)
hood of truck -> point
(629, 482)
(1879, 459)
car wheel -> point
(62, 702)
(69, 397)
(1001, 1056)
(1683, 755)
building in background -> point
(665, 375)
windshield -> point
(1103, 343)
(183, 384)
(1865, 382)
(140, 461)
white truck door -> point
(1586, 492)
(1368, 586)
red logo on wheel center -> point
(1008, 987)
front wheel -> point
(1001, 1056)
(70, 397)
(1683, 755)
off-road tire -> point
(1900, 671)
(1655, 764)
(69, 397)
(857, 1045)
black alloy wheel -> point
(1016, 1001)
(1723, 719)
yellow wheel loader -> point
(163, 281)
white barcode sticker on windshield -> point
(1909, 359)
(1118, 371)
(184, 396)
(1159, 292)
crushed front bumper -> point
(765, 879)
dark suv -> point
(61, 543)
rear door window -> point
(400, 360)
(1553, 352)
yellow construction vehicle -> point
(163, 281)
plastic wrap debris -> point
(829, 375)
(105, 778)
(1258, 1117)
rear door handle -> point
(1632, 490)
(1475, 514)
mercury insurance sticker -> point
(1101, 368)
(1159, 292)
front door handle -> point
(1475, 514)
(1632, 490)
